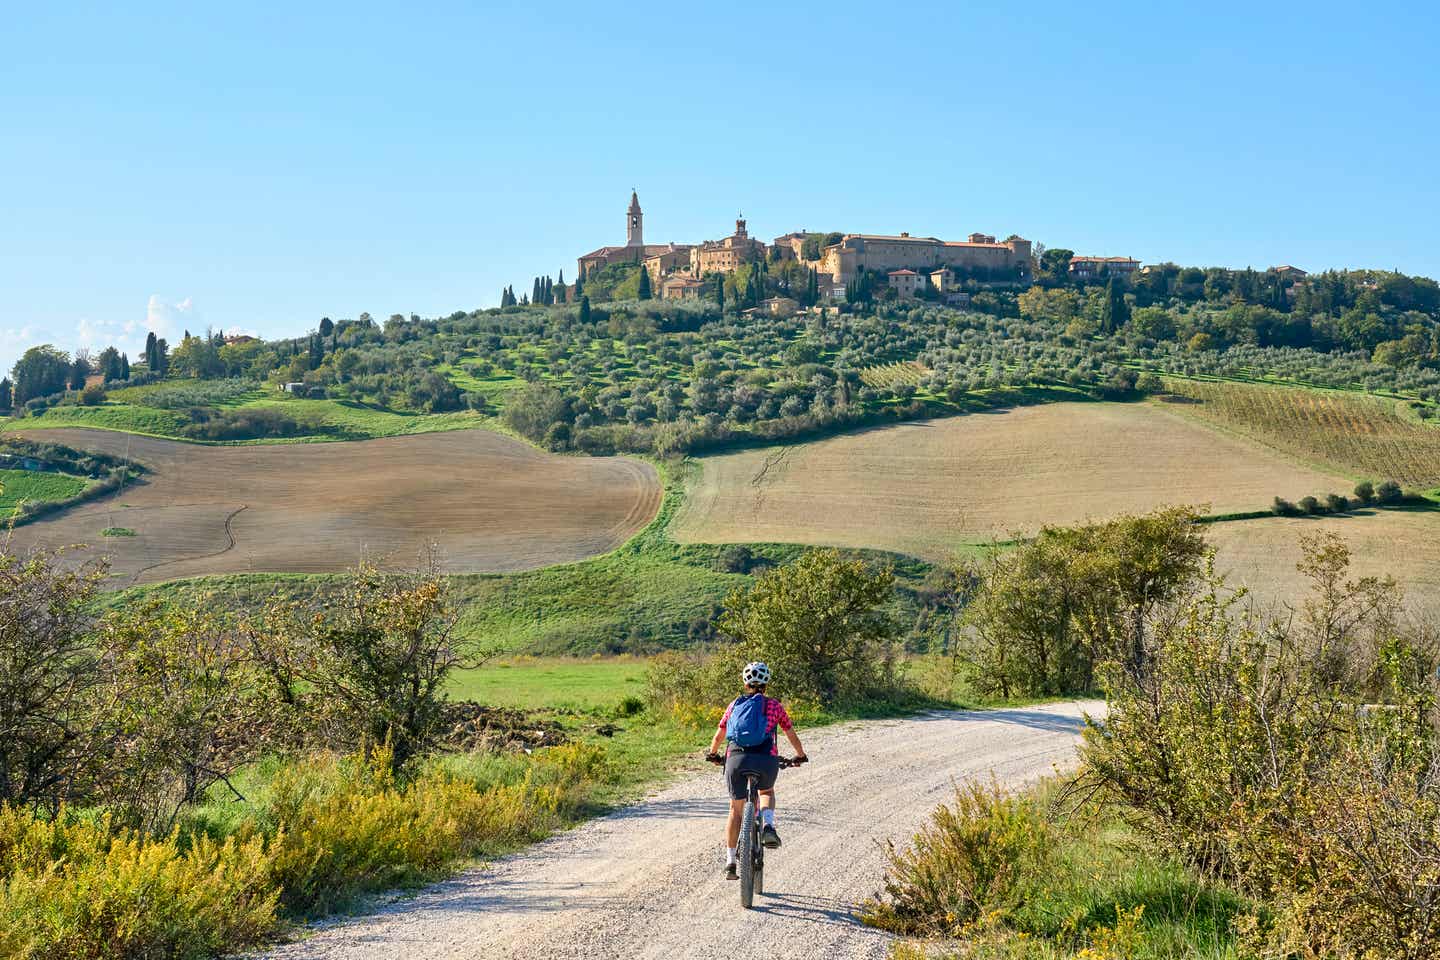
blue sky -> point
(257, 166)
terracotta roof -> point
(1286, 266)
(1103, 260)
(903, 273)
(881, 236)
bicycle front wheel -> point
(746, 855)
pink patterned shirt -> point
(775, 716)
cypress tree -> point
(720, 291)
(535, 295)
(584, 309)
(6, 392)
(644, 293)
(124, 366)
(1114, 312)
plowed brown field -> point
(924, 488)
(491, 503)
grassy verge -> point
(1002, 877)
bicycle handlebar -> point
(719, 758)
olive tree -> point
(820, 623)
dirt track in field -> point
(491, 503)
(645, 882)
(923, 488)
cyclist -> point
(752, 747)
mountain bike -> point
(750, 855)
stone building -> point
(885, 253)
(906, 282)
(683, 287)
(724, 256)
(675, 259)
(635, 249)
(1086, 268)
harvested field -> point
(491, 503)
(1404, 544)
(926, 488)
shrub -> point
(1336, 503)
(1365, 491)
(183, 710)
(194, 393)
(819, 623)
(735, 558)
(331, 828)
(49, 672)
(966, 863)
(531, 411)
(369, 663)
(1247, 751)
(75, 888)
(93, 396)
(1048, 611)
(247, 423)
(1284, 508)
(350, 826)
(1389, 493)
(1309, 506)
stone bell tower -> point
(634, 223)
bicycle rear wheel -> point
(746, 855)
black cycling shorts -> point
(738, 763)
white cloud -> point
(166, 318)
(13, 342)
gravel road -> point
(645, 881)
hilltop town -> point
(910, 265)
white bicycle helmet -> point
(755, 674)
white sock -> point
(729, 854)
(767, 817)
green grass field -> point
(333, 419)
(531, 683)
(35, 487)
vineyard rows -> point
(1361, 435)
(894, 374)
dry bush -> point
(1248, 749)
(966, 864)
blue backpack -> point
(747, 727)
